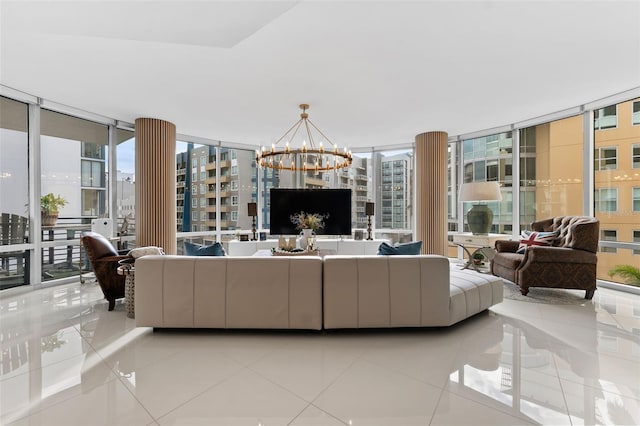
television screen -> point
(335, 204)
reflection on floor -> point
(66, 360)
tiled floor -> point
(66, 360)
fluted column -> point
(156, 184)
(431, 192)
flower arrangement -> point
(303, 220)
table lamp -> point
(480, 217)
(369, 211)
(252, 210)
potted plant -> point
(49, 208)
(478, 258)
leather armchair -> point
(104, 260)
(570, 262)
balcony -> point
(180, 172)
(180, 184)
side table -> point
(129, 271)
(480, 243)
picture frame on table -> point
(358, 234)
(263, 236)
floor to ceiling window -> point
(14, 193)
(74, 167)
(617, 185)
(125, 183)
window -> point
(194, 189)
(203, 202)
(635, 118)
(203, 216)
(234, 216)
(606, 158)
(606, 200)
(605, 118)
(203, 160)
(608, 235)
(234, 185)
(636, 239)
(92, 174)
(234, 170)
(234, 200)
(635, 197)
(203, 175)
(203, 188)
(194, 202)
(194, 217)
(194, 176)
(635, 156)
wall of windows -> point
(216, 181)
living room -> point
(572, 148)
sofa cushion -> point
(145, 251)
(192, 249)
(412, 248)
(534, 238)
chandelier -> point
(306, 158)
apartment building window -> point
(608, 235)
(234, 170)
(635, 156)
(203, 160)
(234, 185)
(606, 158)
(635, 117)
(606, 118)
(234, 200)
(635, 199)
(203, 188)
(203, 202)
(194, 217)
(194, 188)
(194, 202)
(203, 216)
(203, 175)
(93, 173)
(606, 199)
(234, 216)
(194, 176)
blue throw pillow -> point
(412, 248)
(215, 249)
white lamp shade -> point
(480, 191)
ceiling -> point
(376, 73)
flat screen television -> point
(334, 202)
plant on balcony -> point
(630, 274)
(50, 205)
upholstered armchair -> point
(104, 260)
(570, 261)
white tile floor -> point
(66, 360)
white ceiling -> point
(376, 73)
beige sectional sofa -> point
(402, 291)
(229, 292)
(308, 292)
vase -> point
(48, 219)
(305, 234)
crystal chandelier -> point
(305, 158)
